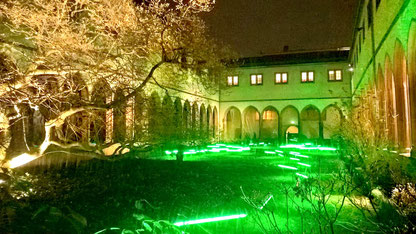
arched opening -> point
(100, 124)
(251, 124)
(215, 122)
(381, 93)
(390, 103)
(202, 121)
(289, 117)
(47, 109)
(140, 117)
(232, 124)
(154, 117)
(119, 117)
(177, 119)
(310, 123)
(195, 121)
(292, 134)
(209, 122)
(76, 127)
(186, 119)
(270, 125)
(167, 118)
(331, 121)
(402, 97)
(412, 80)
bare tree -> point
(54, 50)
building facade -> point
(293, 96)
(383, 56)
(286, 97)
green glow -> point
(327, 149)
(279, 151)
(304, 176)
(296, 159)
(265, 203)
(308, 146)
(168, 152)
(294, 153)
(261, 143)
(208, 220)
(287, 167)
(175, 151)
(302, 156)
(281, 155)
(304, 164)
(189, 152)
(112, 229)
(289, 146)
(269, 152)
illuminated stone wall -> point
(285, 107)
(384, 61)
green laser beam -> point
(208, 220)
(304, 164)
(287, 167)
(304, 176)
(265, 203)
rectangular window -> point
(280, 78)
(335, 75)
(232, 80)
(256, 79)
(307, 77)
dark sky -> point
(260, 27)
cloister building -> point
(292, 96)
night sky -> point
(262, 27)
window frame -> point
(233, 85)
(256, 74)
(307, 77)
(281, 73)
(335, 75)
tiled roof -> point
(295, 58)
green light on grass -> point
(112, 229)
(279, 151)
(302, 156)
(265, 203)
(289, 146)
(327, 149)
(304, 164)
(168, 152)
(304, 176)
(190, 152)
(281, 155)
(175, 151)
(296, 159)
(269, 152)
(208, 220)
(294, 153)
(287, 167)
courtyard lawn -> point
(204, 185)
